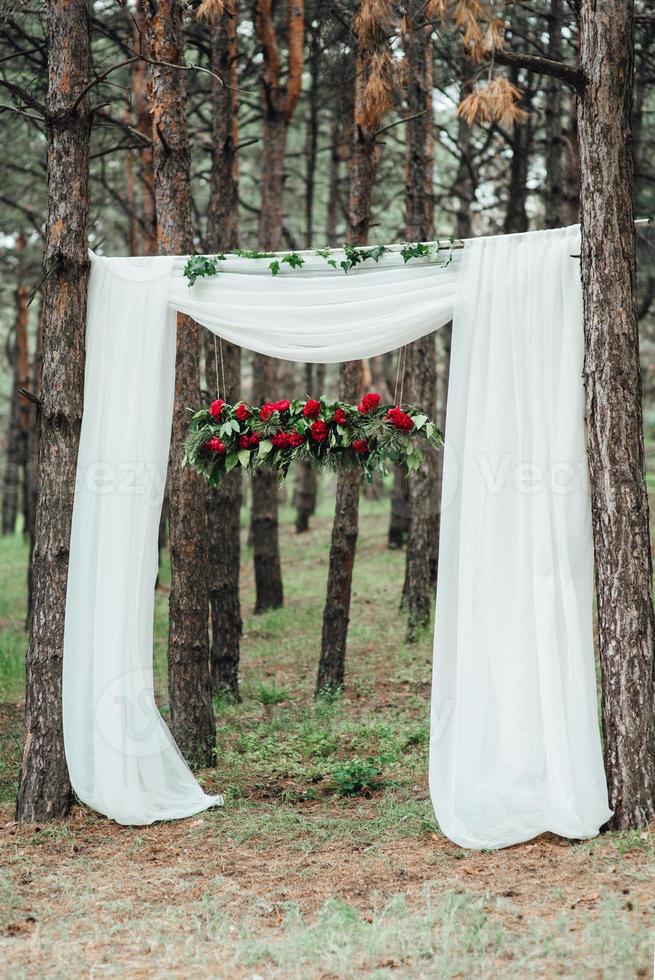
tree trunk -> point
(399, 515)
(44, 790)
(269, 593)
(336, 615)
(614, 413)
(372, 52)
(516, 217)
(189, 682)
(421, 372)
(279, 103)
(553, 152)
(306, 476)
(223, 370)
(147, 223)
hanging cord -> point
(400, 372)
(218, 386)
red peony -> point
(295, 439)
(241, 412)
(216, 408)
(244, 442)
(215, 445)
(254, 440)
(340, 416)
(319, 431)
(280, 440)
(399, 419)
(281, 406)
(368, 402)
(360, 446)
(311, 408)
(265, 412)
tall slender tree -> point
(44, 789)
(614, 414)
(15, 489)
(421, 355)
(223, 360)
(279, 101)
(192, 716)
(373, 97)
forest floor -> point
(290, 879)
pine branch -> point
(570, 74)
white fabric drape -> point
(514, 661)
(515, 745)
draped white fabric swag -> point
(515, 746)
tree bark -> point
(346, 516)
(399, 513)
(269, 593)
(15, 490)
(306, 476)
(614, 413)
(278, 105)
(44, 788)
(223, 369)
(189, 682)
(331, 667)
(553, 151)
(421, 389)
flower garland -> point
(330, 435)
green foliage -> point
(270, 693)
(358, 776)
(202, 267)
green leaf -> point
(419, 420)
(226, 429)
(231, 461)
(294, 260)
(274, 267)
(264, 447)
(235, 425)
(244, 457)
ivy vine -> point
(206, 266)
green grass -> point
(326, 860)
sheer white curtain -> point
(515, 746)
(516, 389)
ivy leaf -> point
(294, 260)
(332, 262)
(274, 267)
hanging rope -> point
(218, 386)
(400, 372)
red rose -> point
(244, 442)
(340, 416)
(360, 446)
(215, 445)
(368, 402)
(216, 408)
(319, 431)
(280, 440)
(281, 406)
(399, 419)
(311, 408)
(241, 412)
(265, 412)
(295, 439)
(254, 440)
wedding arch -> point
(515, 745)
